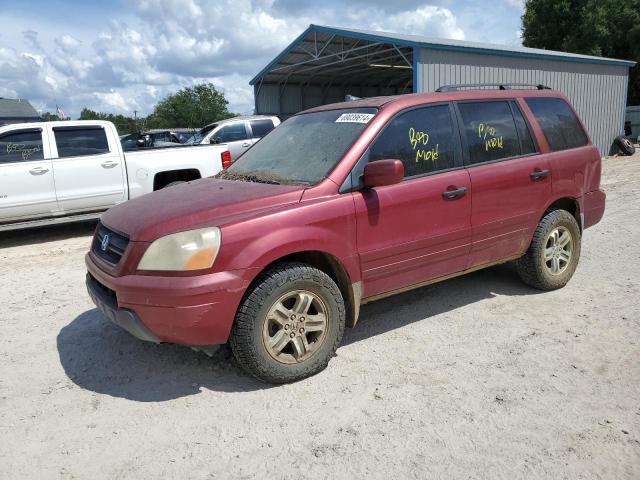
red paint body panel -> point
(389, 237)
(593, 207)
(203, 202)
(408, 232)
(506, 207)
(195, 310)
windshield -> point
(195, 138)
(303, 149)
(199, 136)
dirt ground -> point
(478, 377)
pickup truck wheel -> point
(553, 255)
(289, 325)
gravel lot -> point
(477, 377)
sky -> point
(124, 55)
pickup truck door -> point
(27, 186)
(88, 168)
(236, 136)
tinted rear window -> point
(490, 131)
(524, 133)
(558, 122)
(76, 142)
(259, 128)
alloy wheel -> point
(295, 326)
(558, 250)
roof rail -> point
(499, 86)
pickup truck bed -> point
(54, 172)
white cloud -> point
(68, 43)
(115, 102)
(160, 46)
(431, 21)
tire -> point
(625, 145)
(536, 268)
(173, 184)
(269, 343)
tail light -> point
(226, 159)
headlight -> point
(192, 250)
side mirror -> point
(140, 142)
(383, 172)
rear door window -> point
(526, 140)
(558, 122)
(21, 146)
(231, 133)
(259, 128)
(80, 141)
(422, 138)
(490, 131)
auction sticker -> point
(355, 118)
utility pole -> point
(135, 119)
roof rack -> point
(499, 86)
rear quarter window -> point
(80, 141)
(559, 124)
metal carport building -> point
(324, 64)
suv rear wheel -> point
(554, 252)
(290, 324)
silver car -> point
(239, 133)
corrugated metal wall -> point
(597, 91)
(275, 100)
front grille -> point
(113, 249)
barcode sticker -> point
(355, 118)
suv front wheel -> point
(554, 252)
(289, 325)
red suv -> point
(344, 204)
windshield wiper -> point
(258, 177)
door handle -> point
(246, 144)
(38, 171)
(539, 174)
(452, 194)
(109, 164)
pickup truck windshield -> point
(304, 149)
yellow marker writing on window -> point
(490, 137)
(417, 138)
(432, 154)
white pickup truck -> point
(54, 172)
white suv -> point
(238, 133)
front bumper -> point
(122, 317)
(187, 310)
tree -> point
(123, 123)
(49, 117)
(608, 28)
(191, 107)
